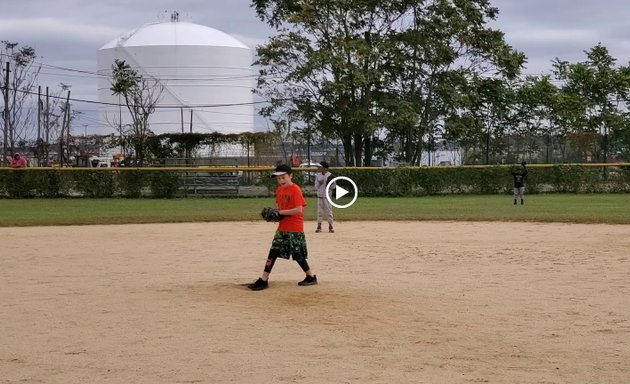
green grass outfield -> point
(599, 208)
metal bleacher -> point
(214, 183)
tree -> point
(486, 112)
(537, 104)
(439, 51)
(601, 91)
(354, 66)
(22, 76)
(321, 67)
(141, 96)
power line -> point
(190, 78)
(156, 106)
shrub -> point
(18, 184)
(93, 183)
(131, 182)
(402, 181)
(163, 184)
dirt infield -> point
(427, 302)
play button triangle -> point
(340, 192)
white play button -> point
(341, 192)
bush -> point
(131, 183)
(570, 178)
(3, 182)
(93, 183)
(164, 184)
(18, 184)
(402, 181)
(50, 183)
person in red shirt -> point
(18, 161)
(289, 240)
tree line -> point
(400, 78)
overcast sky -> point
(68, 33)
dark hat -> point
(282, 169)
(324, 164)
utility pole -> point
(188, 151)
(63, 132)
(39, 112)
(68, 127)
(47, 126)
(308, 144)
(6, 116)
(182, 118)
(191, 118)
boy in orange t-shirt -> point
(289, 240)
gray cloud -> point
(546, 29)
(68, 33)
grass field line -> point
(566, 208)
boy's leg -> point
(310, 278)
(515, 194)
(320, 203)
(328, 211)
(277, 249)
(304, 265)
(263, 282)
(268, 267)
(299, 253)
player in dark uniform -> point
(519, 175)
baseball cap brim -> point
(281, 170)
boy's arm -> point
(292, 211)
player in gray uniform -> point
(324, 208)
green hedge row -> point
(403, 181)
(487, 180)
(51, 183)
(420, 181)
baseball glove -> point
(271, 214)
(524, 163)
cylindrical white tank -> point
(203, 70)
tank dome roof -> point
(174, 33)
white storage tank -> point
(203, 70)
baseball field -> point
(426, 290)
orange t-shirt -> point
(289, 198)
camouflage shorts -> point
(289, 244)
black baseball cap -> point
(282, 169)
(324, 164)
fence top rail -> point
(269, 169)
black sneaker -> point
(259, 285)
(319, 229)
(331, 230)
(308, 280)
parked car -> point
(309, 176)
